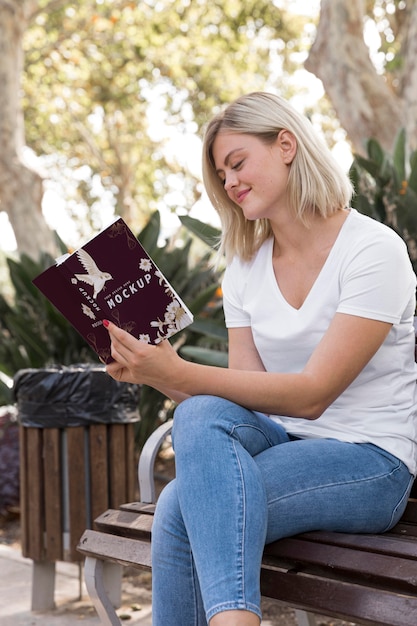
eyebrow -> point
(228, 157)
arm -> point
(243, 354)
(345, 349)
(175, 396)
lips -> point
(241, 195)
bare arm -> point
(243, 354)
(346, 348)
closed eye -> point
(235, 167)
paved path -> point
(15, 596)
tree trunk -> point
(410, 74)
(20, 185)
(364, 103)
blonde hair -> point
(316, 182)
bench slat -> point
(357, 566)
(77, 497)
(99, 468)
(52, 477)
(346, 601)
(125, 523)
(129, 552)
(139, 507)
(118, 465)
(32, 488)
(388, 544)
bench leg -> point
(303, 618)
(43, 585)
(95, 575)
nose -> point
(230, 180)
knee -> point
(196, 406)
(194, 410)
(195, 416)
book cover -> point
(112, 277)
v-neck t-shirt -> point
(367, 273)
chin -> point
(252, 217)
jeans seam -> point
(338, 484)
(399, 503)
(194, 586)
(241, 563)
(233, 605)
(251, 426)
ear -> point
(287, 144)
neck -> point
(293, 236)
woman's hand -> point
(141, 363)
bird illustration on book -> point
(95, 277)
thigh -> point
(325, 484)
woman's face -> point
(254, 173)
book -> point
(113, 277)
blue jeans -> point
(241, 482)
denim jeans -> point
(241, 482)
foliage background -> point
(115, 95)
(102, 78)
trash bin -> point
(77, 459)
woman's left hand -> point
(139, 362)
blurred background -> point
(103, 104)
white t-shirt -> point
(367, 273)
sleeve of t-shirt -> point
(379, 280)
(233, 287)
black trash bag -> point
(9, 460)
(74, 395)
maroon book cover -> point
(112, 277)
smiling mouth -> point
(242, 195)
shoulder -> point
(364, 226)
(376, 255)
(365, 235)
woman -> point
(313, 425)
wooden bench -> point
(366, 579)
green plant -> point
(386, 188)
(33, 333)
(208, 341)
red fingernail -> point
(106, 323)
